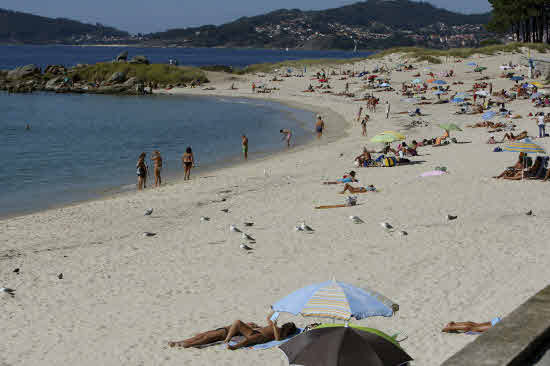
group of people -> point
(142, 172)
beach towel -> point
(433, 173)
(272, 344)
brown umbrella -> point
(343, 346)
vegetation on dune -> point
(164, 74)
(297, 65)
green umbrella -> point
(383, 138)
(365, 329)
(450, 127)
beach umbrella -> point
(384, 85)
(417, 81)
(385, 139)
(537, 84)
(457, 100)
(343, 346)
(438, 92)
(372, 77)
(471, 64)
(450, 127)
(397, 135)
(516, 78)
(487, 116)
(336, 300)
(440, 82)
(480, 69)
(482, 93)
(526, 146)
(430, 80)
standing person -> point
(287, 135)
(141, 171)
(188, 161)
(364, 125)
(157, 160)
(388, 107)
(490, 89)
(245, 146)
(319, 126)
(541, 125)
(253, 87)
(359, 114)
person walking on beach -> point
(157, 161)
(542, 125)
(388, 110)
(319, 126)
(364, 125)
(245, 146)
(359, 114)
(141, 171)
(188, 161)
(287, 135)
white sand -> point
(124, 296)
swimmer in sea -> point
(287, 135)
(319, 126)
(188, 162)
(245, 146)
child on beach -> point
(287, 135)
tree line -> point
(528, 20)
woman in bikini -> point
(188, 162)
(157, 160)
(208, 337)
(351, 189)
(141, 171)
(319, 127)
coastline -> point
(124, 296)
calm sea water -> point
(81, 146)
(13, 56)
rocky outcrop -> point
(55, 70)
(23, 72)
(130, 82)
(139, 60)
(117, 77)
(53, 83)
(122, 57)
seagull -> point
(356, 219)
(204, 218)
(148, 234)
(248, 224)
(247, 237)
(451, 217)
(234, 229)
(246, 247)
(529, 213)
(9, 291)
(148, 212)
(60, 276)
(298, 228)
(226, 210)
(403, 233)
(304, 227)
(386, 226)
(16, 270)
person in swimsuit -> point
(141, 171)
(364, 125)
(348, 178)
(287, 135)
(351, 189)
(259, 335)
(245, 146)
(157, 161)
(465, 327)
(511, 136)
(188, 161)
(319, 126)
(211, 336)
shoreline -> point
(177, 178)
(125, 295)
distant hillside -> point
(17, 27)
(369, 24)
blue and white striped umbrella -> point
(336, 300)
(472, 64)
(487, 116)
(525, 146)
(457, 100)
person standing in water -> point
(287, 135)
(157, 161)
(188, 162)
(141, 171)
(28, 127)
(319, 127)
(245, 146)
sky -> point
(158, 15)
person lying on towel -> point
(252, 332)
(465, 327)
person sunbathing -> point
(515, 171)
(439, 140)
(365, 157)
(347, 178)
(465, 327)
(351, 189)
(208, 337)
(510, 136)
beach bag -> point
(389, 161)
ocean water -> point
(82, 146)
(14, 56)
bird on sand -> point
(9, 291)
(148, 212)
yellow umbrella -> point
(397, 135)
(537, 84)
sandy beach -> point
(123, 296)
